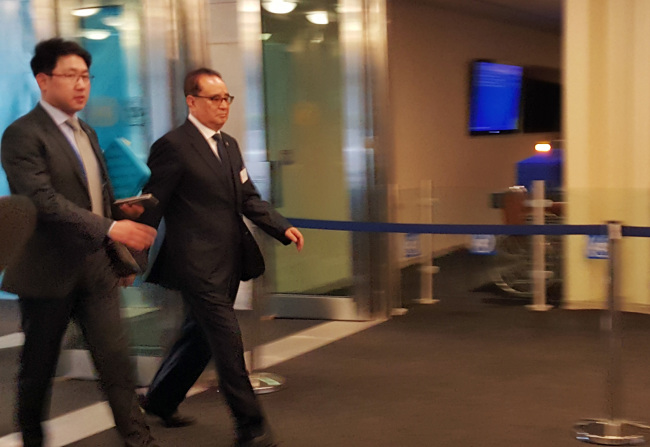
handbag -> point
(252, 261)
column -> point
(607, 139)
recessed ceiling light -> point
(84, 12)
(279, 6)
(96, 34)
(318, 17)
(114, 21)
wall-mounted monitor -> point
(541, 101)
(495, 98)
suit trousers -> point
(180, 369)
(94, 304)
(210, 330)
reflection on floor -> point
(95, 418)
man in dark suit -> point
(198, 175)
(64, 271)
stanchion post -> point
(612, 431)
(396, 302)
(262, 382)
(614, 314)
(539, 273)
(427, 270)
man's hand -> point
(132, 211)
(132, 234)
(126, 281)
(295, 236)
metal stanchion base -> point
(539, 307)
(609, 432)
(426, 301)
(430, 269)
(264, 383)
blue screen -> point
(495, 98)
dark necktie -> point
(220, 147)
(90, 166)
(223, 158)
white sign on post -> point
(412, 245)
(597, 247)
(483, 244)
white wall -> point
(429, 54)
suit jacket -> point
(41, 164)
(202, 201)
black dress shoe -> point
(264, 440)
(173, 420)
(176, 420)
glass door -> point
(318, 121)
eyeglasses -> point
(74, 78)
(217, 99)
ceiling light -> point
(318, 17)
(543, 147)
(96, 34)
(279, 6)
(114, 21)
(84, 12)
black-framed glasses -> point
(217, 99)
(73, 78)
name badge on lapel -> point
(243, 175)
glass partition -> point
(112, 34)
(316, 120)
(501, 267)
(137, 51)
(17, 85)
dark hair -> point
(48, 52)
(191, 84)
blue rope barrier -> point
(636, 231)
(381, 227)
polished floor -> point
(472, 370)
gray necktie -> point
(90, 166)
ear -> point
(189, 100)
(42, 79)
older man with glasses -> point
(199, 177)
